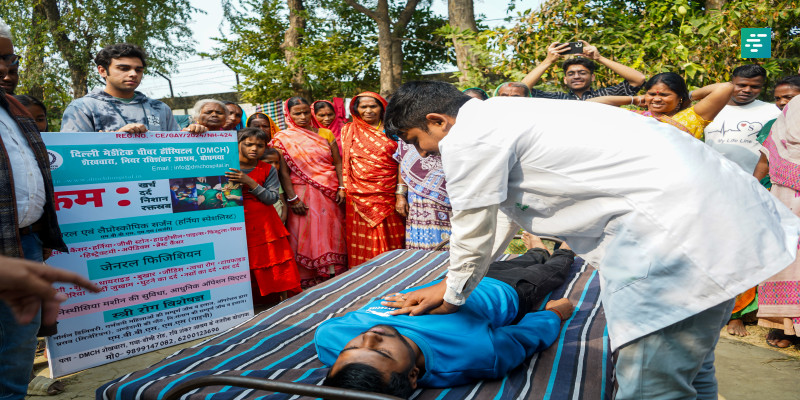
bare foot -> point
(776, 338)
(532, 241)
(736, 327)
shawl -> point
(665, 119)
(307, 155)
(423, 175)
(783, 147)
(370, 170)
(336, 125)
(273, 127)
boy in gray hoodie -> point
(119, 107)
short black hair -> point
(357, 100)
(119, 50)
(520, 85)
(369, 379)
(26, 101)
(477, 91)
(749, 71)
(674, 82)
(413, 101)
(245, 133)
(234, 104)
(791, 80)
(270, 151)
(589, 64)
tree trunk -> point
(461, 15)
(385, 55)
(77, 62)
(291, 41)
(36, 56)
(714, 5)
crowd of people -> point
(327, 194)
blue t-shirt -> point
(474, 343)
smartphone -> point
(574, 48)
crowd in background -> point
(326, 193)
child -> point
(37, 110)
(272, 263)
(273, 157)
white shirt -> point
(28, 181)
(735, 129)
(673, 227)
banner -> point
(152, 220)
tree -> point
(337, 53)
(655, 36)
(461, 15)
(390, 45)
(291, 42)
(77, 29)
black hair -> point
(294, 101)
(479, 92)
(357, 100)
(269, 151)
(233, 103)
(791, 80)
(674, 82)
(519, 85)
(749, 71)
(245, 133)
(26, 101)
(257, 115)
(369, 379)
(589, 64)
(322, 104)
(119, 50)
(413, 101)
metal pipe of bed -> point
(302, 389)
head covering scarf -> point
(307, 155)
(783, 147)
(273, 127)
(370, 171)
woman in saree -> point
(264, 122)
(312, 183)
(779, 296)
(425, 205)
(370, 176)
(668, 100)
(325, 116)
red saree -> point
(317, 237)
(272, 263)
(370, 178)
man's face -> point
(578, 77)
(745, 90)
(9, 74)
(784, 93)
(427, 143)
(511, 91)
(124, 74)
(381, 347)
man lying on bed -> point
(493, 333)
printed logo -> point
(55, 160)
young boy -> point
(273, 157)
(648, 206)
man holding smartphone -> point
(579, 73)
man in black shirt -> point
(579, 75)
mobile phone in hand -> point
(574, 48)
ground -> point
(747, 369)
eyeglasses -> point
(10, 59)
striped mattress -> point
(278, 343)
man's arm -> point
(634, 77)
(762, 168)
(471, 242)
(554, 52)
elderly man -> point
(624, 192)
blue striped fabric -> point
(278, 343)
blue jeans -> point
(676, 362)
(18, 342)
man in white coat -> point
(676, 230)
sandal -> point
(778, 335)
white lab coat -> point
(673, 227)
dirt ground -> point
(747, 369)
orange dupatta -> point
(308, 155)
(370, 171)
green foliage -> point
(651, 36)
(338, 54)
